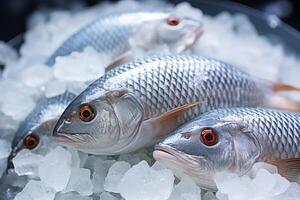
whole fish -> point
(107, 35)
(133, 105)
(233, 140)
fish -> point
(139, 102)
(108, 35)
(233, 140)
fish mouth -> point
(162, 152)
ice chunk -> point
(83, 66)
(55, 87)
(261, 165)
(15, 102)
(5, 148)
(135, 158)
(71, 196)
(114, 176)
(76, 87)
(3, 165)
(7, 54)
(55, 169)
(186, 189)
(37, 75)
(158, 166)
(264, 185)
(209, 196)
(36, 190)
(107, 196)
(186, 10)
(99, 167)
(142, 182)
(26, 163)
(80, 182)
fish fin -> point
(274, 100)
(280, 87)
(170, 120)
(128, 55)
(288, 168)
(282, 103)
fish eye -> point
(86, 113)
(31, 141)
(173, 21)
(209, 137)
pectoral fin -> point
(123, 58)
(170, 120)
(289, 168)
(274, 100)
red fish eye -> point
(173, 21)
(31, 141)
(209, 137)
(86, 113)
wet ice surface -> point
(57, 173)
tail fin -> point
(274, 100)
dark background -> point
(13, 13)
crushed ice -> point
(58, 173)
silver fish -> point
(136, 103)
(233, 140)
(108, 35)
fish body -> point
(108, 35)
(239, 137)
(134, 104)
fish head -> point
(30, 132)
(206, 146)
(179, 32)
(102, 123)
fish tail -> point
(275, 100)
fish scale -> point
(179, 80)
(277, 132)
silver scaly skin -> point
(243, 136)
(109, 35)
(129, 100)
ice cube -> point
(135, 158)
(15, 103)
(114, 176)
(37, 75)
(3, 165)
(186, 10)
(99, 167)
(80, 182)
(75, 158)
(81, 66)
(71, 196)
(36, 190)
(55, 168)
(262, 165)
(142, 182)
(107, 196)
(7, 54)
(5, 148)
(55, 87)
(76, 87)
(209, 196)
(186, 189)
(98, 180)
(26, 163)
(158, 166)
